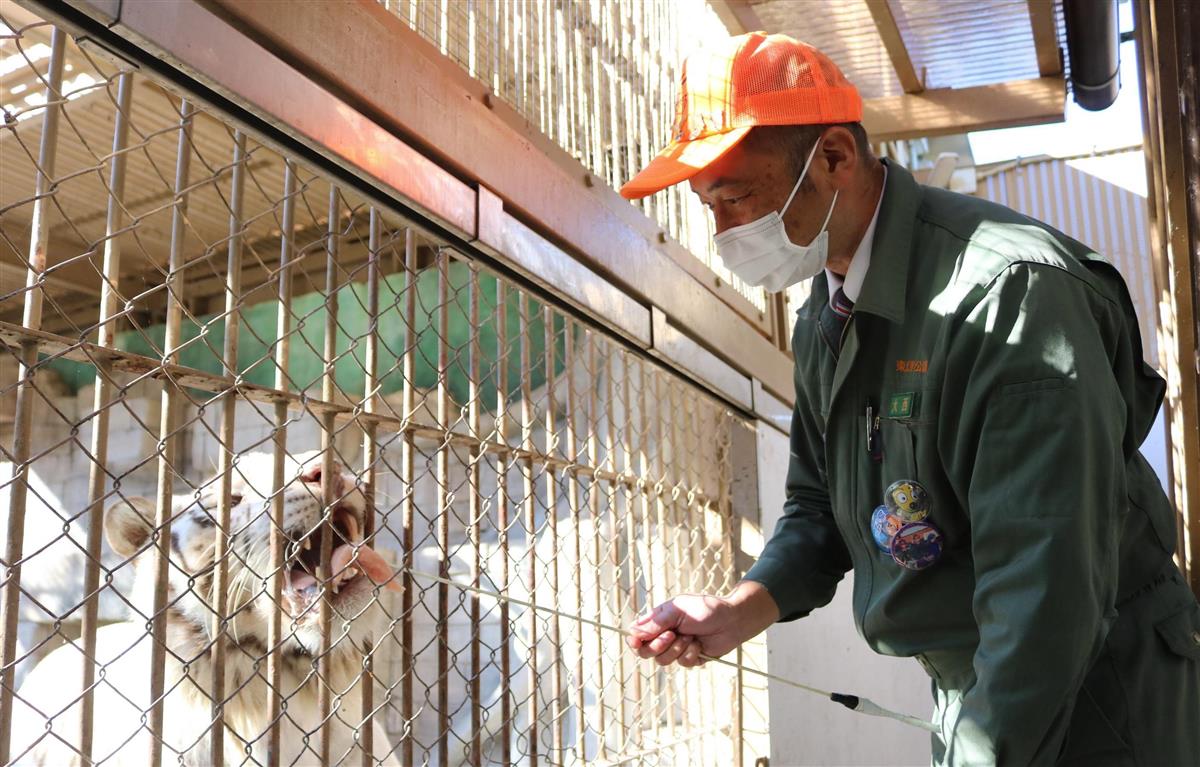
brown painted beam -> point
(947, 111)
(738, 16)
(1045, 37)
(889, 33)
(391, 75)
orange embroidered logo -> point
(912, 366)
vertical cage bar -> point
(573, 468)
(697, 523)
(443, 505)
(530, 510)
(102, 398)
(503, 464)
(370, 448)
(666, 534)
(629, 478)
(329, 472)
(529, 513)
(281, 354)
(652, 569)
(594, 490)
(23, 422)
(233, 293)
(408, 366)
(612, 486)
(167, 441)
(475, 513)
(556, 713)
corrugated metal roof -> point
(1111, 220)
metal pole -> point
(233, 295)
(102, 401)
(23, 423)
(281, 354)
(503, 464)
(556, 713)
(576, 540)
(370, 458)
(443, 507)
(530, 508)
(168, 421)
(594, 491)
(475, 512)
(408, 366)
(329, 472)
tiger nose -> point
(313, 476)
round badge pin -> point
(884, 525)
(917, 545)
(907, 499)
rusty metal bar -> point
(407, 667)
(556, 682)
(503, 464)
(281, 356)
(699, 563)
(443, 506)
(664, 512)
(614, 542)
(233, 298)
(102, 398)
(631, 533)
(594, 490)
(573, 490)
(475, 512)
(168, 419)
(650, 572)
(370, 458)
(530, 508)
(23, 423)
(329, 473)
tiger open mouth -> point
(349, 563)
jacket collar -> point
(886, 284)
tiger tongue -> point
(369, 561)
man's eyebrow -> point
(722, 182)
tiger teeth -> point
(307, 544)
(350, 573)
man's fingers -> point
(672, 653)
(691, 656)
(656, 646)
(664, 617)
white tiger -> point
(46, 720)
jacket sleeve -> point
(805, 558)
(1038, 456)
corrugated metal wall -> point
(1108, 218)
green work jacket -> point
(1004, 362)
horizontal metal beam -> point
(682, 352)
(738, 16)
(946, 111)
(546, 265)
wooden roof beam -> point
(889, 32)
(1045, 37)
(948, 111)
(738, 16)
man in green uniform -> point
(970, 397)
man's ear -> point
(128, 525)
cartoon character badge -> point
(907, 499)
(884, 526)
(917, 545)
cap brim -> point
(680, 161)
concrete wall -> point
(824, 650)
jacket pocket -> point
(1181, 632)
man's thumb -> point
(664, 617)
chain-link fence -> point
(287, 480)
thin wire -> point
(853, 702)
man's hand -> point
(683, 629)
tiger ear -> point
(128, 525)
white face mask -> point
(760, 252)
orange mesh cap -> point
(748, 80)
